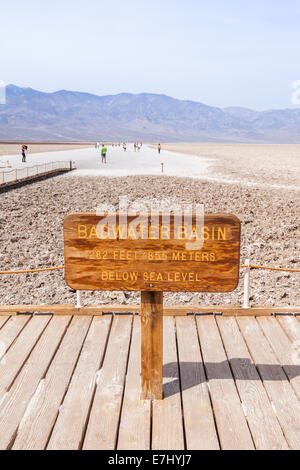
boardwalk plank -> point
(70, 425)
(232, 426)
(10, 331)
(3, 320)
(167, 426)
(291, 326)
(265, 429)
(36, 426)
(286, 351)
(199, 422)
(51, 389)
(279, 389)
(104, 417)
(15, 402)
(169, 310)
(17, 354)
(134, 432)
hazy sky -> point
(223, 53)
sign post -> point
(152, 255)
(152, 345)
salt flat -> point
(264, 166)
(120, 163)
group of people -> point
(137, 147)
(104, 150)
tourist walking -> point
(24, 148)
(159, 148)
(103, 153)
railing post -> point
(78, 299)
(247, 285)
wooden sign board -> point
(155, 257)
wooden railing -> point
(18, 174)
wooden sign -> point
(150, 254)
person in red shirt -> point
(159, 148)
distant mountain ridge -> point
(31, 115)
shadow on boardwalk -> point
(191, 373)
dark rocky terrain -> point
(31, 220)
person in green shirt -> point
(103, 153)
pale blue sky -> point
(223, 53)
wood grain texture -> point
(152, 345)
(198, 415)
(286, 351)
(16, 400)
(167, 425)
(40, 354)
(35, 427)
(3, 320)
(10, 331)
(169, 310)
(94, 263)
(232, 426)
(19, 351)
(103, 423)
(263, 424)
(280, 391)
(19, 309)
(70, 426)
(291, 326)
(134, 430)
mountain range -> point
(31, 115)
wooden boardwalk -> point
(73, 382)
(10, 179)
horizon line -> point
(150, 93)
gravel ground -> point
(31, 219)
